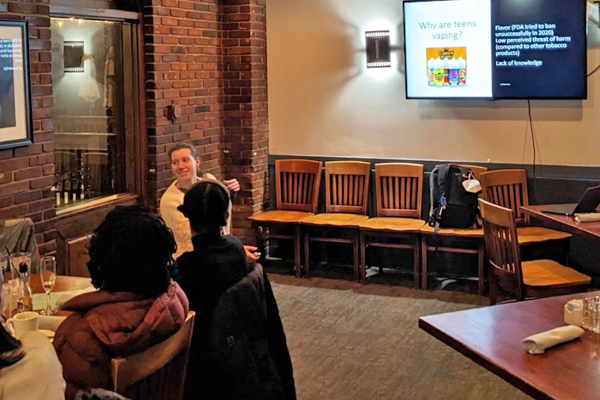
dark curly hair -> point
(132, 251)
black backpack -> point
(451, 205)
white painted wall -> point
(324, 102)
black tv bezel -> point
(407, 97)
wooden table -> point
(491, 336)
(62, 284)
(589, 230)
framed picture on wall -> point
(16, 127)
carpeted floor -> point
(349, 341)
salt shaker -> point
(585, 319)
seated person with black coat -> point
(239, 350)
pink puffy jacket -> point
(106, 325)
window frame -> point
(135, 156)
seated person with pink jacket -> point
(137, 304)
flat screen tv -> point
(495, 49)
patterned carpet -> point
(349, 341)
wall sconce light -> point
(73, 56)
(378, 49)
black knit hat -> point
(206, 204)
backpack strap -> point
(443, 171)
(442, 182)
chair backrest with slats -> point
(297, 184)
(507, 188)
(158, 372)
(477, 170)
(399, 190)
(502, 246)
(347, 186)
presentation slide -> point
(496, 49)
(539, 48)
(448, 49)
(7, 82)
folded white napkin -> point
(536, 344)
(60, 302)
(50, 322)
(587, 217)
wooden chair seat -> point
(546, 273)
(336, 220)
(158, 372)
(392, 224)
(281, 217)
(467, 233)
(534, 234)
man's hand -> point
(250, 253)
(233, 185)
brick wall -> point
(183, 67)
(210, 58)
(246, 138)
(27, 173)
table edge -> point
(466, 351)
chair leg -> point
(355, 258)
(257, 234)
(492, 279)
(416, 263)
(363, 257)
(306, 254)
(424, 262)
(567, 249)
(481, 264)
(297, 251)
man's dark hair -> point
(206, 205)
(132, 251)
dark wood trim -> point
(75, 211)
(106, 14)
(129, 100)
(141, 128)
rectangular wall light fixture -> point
(378, 49)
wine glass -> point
(48, 277)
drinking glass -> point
(585, 318)
(48, 277)
(4, 264)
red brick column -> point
(183, 67)
(27, 173)
(246, 139)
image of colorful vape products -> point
(447, 66)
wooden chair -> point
(346, 194)
(538, 278)
(158, 372)
(399, 195)
(470, 236)
(508, 188)
(297, 184)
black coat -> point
(239, 349)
